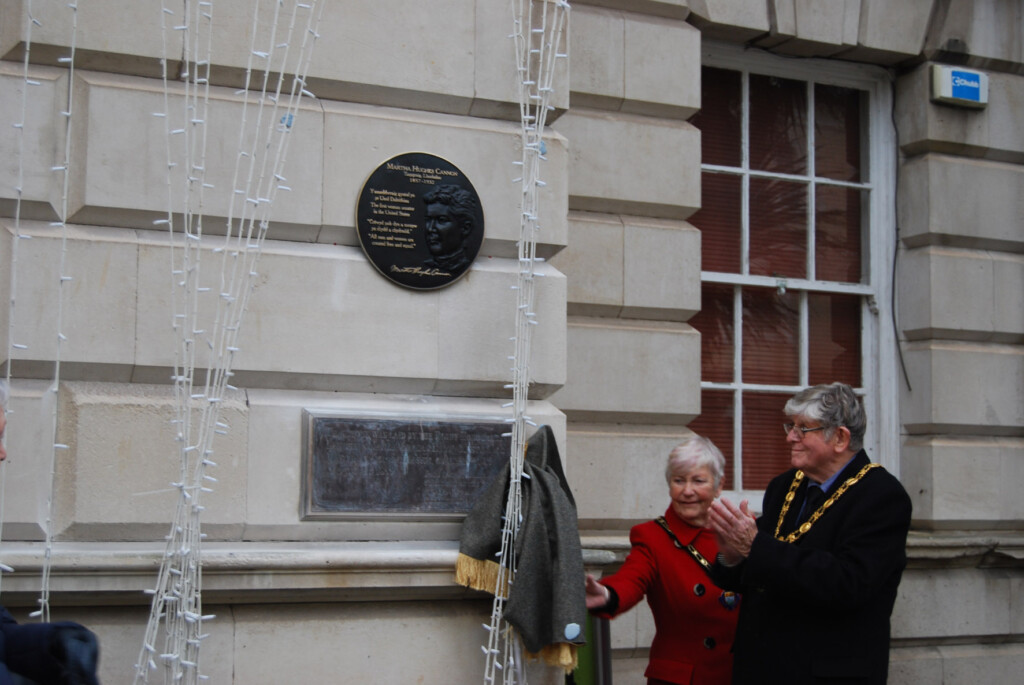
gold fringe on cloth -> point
(478, 574)
(560, 654)
(483, 575)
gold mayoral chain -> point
(697, 556)
(798, 533)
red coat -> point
(695, 630)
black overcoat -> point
(817, 610)
(46, 653)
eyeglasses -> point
(788, 428)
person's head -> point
(4, 395)
(450, 216)
(835, 424)
(694, 473)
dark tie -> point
(812, 500)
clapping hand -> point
(735, 528)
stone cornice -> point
(965, 548)
(94, 573)
(938, 549)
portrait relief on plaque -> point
(419, 221)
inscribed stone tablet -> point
(366, 465)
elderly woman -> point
(669, 561)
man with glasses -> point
(819, 568)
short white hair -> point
(696, 452)
(5, 393)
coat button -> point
(698, 590)
(709, 643)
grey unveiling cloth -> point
(547, 600)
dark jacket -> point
(817, 610)
(60, 653)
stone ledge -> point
(119, 573)
(984, 549)
(671, 9)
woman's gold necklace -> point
(798, 533)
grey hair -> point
(832, 405)
(5, 393)
(696, 452)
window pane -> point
(719, 222)
(838, 237)
(837, 132)
(715, 423)
(720, 116)
(771, 336)
(765, 452)
(760, 224)
(715, 323)
(834, 343)
(778, 132)
(778, 228)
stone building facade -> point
(617, 355)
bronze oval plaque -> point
(419, 221)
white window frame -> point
(880, 369)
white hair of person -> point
(696, 452)
(832, 405)
(5, 394)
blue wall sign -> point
(959, 86)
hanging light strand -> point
(12, 335)
(258, 176)
(539, 34)
(63, 279)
